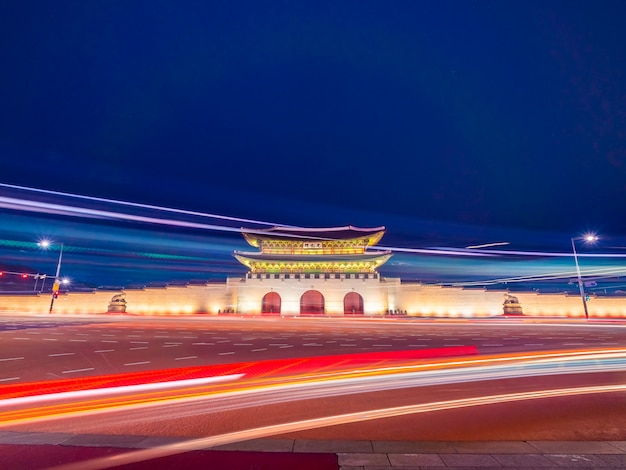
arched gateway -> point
(271, 304)
(353, 304)
(312, 303)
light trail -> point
(486, 245)
(136, 204)
(302, 425)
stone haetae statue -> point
(117, 303)
(512, 305)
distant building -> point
(317, 271)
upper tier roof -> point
(301, 233)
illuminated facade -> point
(326, 271)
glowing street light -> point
(57, 282)
(588, 238)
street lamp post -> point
(581, 288)
(57, 281)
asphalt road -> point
(40, 349)
(45, 348)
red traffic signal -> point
(24, 276)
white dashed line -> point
(49, 339)
(21, 338)
(286, 346)
(139, 342)
(533, 344)
(186, 357)
(77, 370)
(347, 345)
(225, 353)
(79, 340)
(11, 359)
(242, 344)
(312, 344)
(260, 349)
(61, 354)
(9, 378)
(203, 344)
(137, 363)
(104, 350)
(484, 344)
(379, 345)
(108, 341)
(138, 347)
(171, 345)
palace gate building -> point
(306, 271)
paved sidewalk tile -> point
(575, 447)
(472, 460)
(576, 460)
(494, 447)
(417, 460)
(158, 441)
(613, 460)
(332, 446)
(523, 460)
(35, 438)
(366, 460)
(417, 447)
(619, 444)
(266, 445)
(103, 440)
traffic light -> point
(24, 276)
(56, 294)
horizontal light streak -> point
(360, 416)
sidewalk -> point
(36, 451)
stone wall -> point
(244, 296)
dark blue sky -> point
(486, 115)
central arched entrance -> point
(353, 304)
(271, 304)
(312, 303)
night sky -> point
(448, 122)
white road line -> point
(162, 336)
(347, 345)
(278, 344)
(108, 341)
(573, 344)
(49, 339)
(190, 337)
(104, 350)
(170, 345)
(9, 378)
(139, 342)
(203, 344)
(61, 354)
(484, 344)
(225, 353)
(387, 345)
(260, 349)
(137, 363)
(77, 370)
(138, 347)
(21, 338)
(11, 359)
(79, 340)
(242, 344)
(186, 357)
(312, 344)
(533, 344)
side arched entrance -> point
(271, 304)
(353, 304)
(312, 303)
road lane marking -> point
(61, 354)
(312, 344)
(9, 378)
(203, 344)
(104, 350)
(49, 339)
(533, 344)
(186, 357)
(79, 340)
(77, 370)
(21, 338)
(138, 347)
(488, 344)
(11, 359)
(137, 363)
(225, 353)
(242, 344)
(260, 349)
(347, 345)
(139, 342)
(386, 345)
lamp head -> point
(590, 237)
(45, 244)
